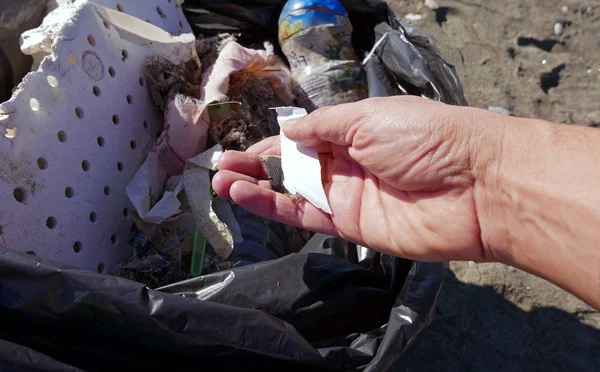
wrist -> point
(508, 151)
(538, 201)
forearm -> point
(542, 203)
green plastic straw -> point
(198, 254)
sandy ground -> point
(490, 316)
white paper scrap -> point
(300, 164)
(208, 159)
(146, 194)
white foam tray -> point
(76, 131)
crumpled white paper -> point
(146, 188)
(155, 199)
(300, 164)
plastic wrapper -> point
(303, 311)
(332, 306)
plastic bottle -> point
(315, 36)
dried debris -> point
(166, 80)
(219, 100)
(208, 48)
(246, 119)
(239, 90)
(149, 265)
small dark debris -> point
(148, 265)
(586, 10)
(595, 124)
(512, 52)
(551, 79)
(441, 14)
(545, 44)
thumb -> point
(333, 124)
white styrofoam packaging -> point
(74, 134)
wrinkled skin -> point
(400, 175)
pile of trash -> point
(220, 96)
(331, 306)
(218, 100)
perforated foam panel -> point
(76, 131)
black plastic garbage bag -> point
(332, 306)
(327, 314)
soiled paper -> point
(153, 196)
(196, 181)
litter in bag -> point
(332, 306)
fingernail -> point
(290, 122)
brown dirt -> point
(491, 316)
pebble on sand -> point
(432, 4)
(559, 29)
(413, 17)
(586, 9)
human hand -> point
(431, 182)
(402, 176)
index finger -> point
(334, 124)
